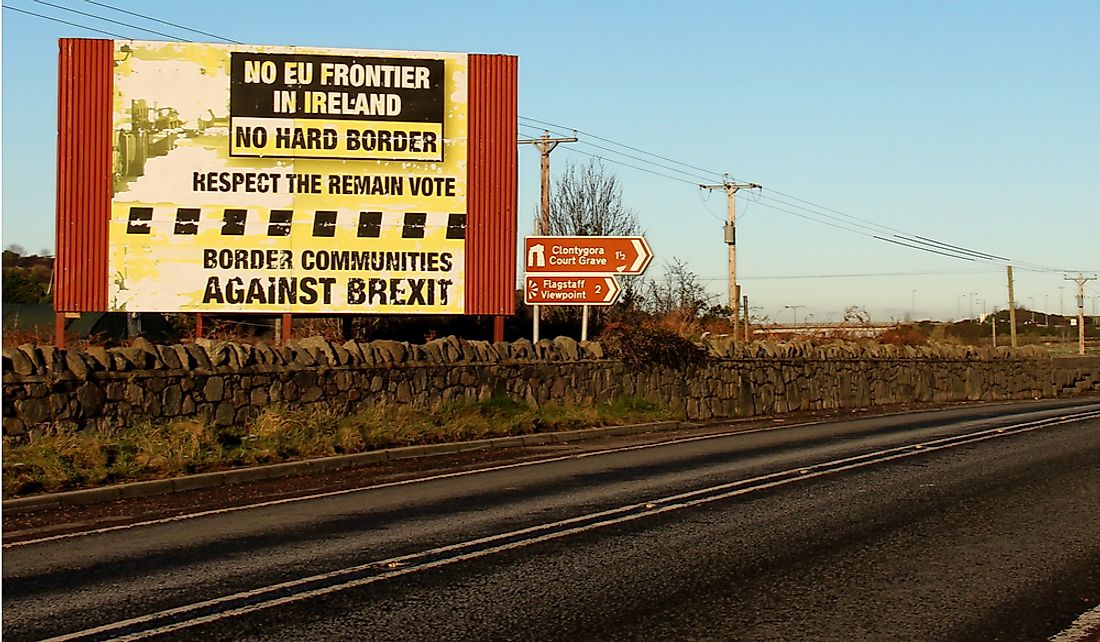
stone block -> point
(391, 351)
(225, 414)
(91, 399)
(214, 389)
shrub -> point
(903, 335)
(641, 345)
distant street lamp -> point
(795, 309)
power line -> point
(862, 275)
(925, 249)
(695, 176)
(928, 241)
(634, 149)
(66, 22)
(879, 231)
(642, 169)
(163, 22)
(92, 15)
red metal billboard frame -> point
(84, 170)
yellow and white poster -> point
(287, 179)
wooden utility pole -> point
(545, 145)
(1012, 308)
(748, 331)
(1081, 280)
(731, 241)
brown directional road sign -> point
(625, 255)
(577, 289)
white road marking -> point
(1084, 629)
(404, 482)
(406, 564)
(407, 482)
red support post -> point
(198, 325)
(286, 329)
(498, 328)
(59, 330)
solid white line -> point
(418, 480)
(1084, 629)
(609, 517)
(404, 482)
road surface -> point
(976, 523)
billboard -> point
(287, 179)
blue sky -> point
(975, 124)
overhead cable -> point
(65, 22)
(163, 22)
(92, 15)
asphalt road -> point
(969, 524)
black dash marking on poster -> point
(139, 220)
(279, 223)
(414, 225)
(233, 222)
(187, 220)
(456, 226)
(324, 224)
(370, 225)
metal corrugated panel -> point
(492, 185)
(85, 70)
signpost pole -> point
(545, 145)
(584, 323)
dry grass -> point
(63, 460)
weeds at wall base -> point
(56, 461)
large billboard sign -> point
(287, 179)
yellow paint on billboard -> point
(203, 223)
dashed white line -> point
(521, 538)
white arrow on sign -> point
(613, 289)
(643, 255)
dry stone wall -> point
(226, 383)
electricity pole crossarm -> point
(545, 145)
(731, 241)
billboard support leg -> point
(498, 329)
(59, 330)
(198, 325)
(285, 334)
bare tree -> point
(678, 292)
(588, 201)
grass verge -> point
(57, 461)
